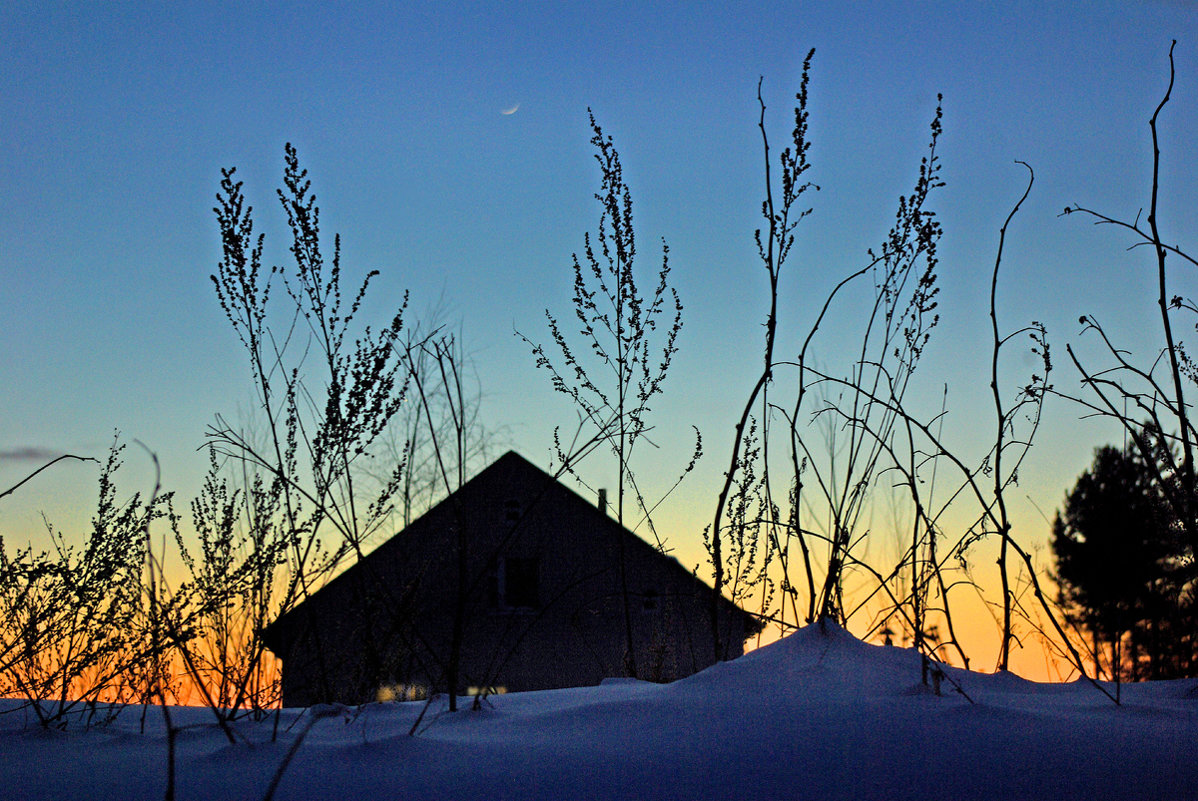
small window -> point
(511, 510)
(649, 601)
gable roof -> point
(511, 470)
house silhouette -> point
(520, 576)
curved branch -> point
(46, 466)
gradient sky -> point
(115, 120)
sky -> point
(116, 119)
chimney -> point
(603, 500)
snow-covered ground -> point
(818, 715)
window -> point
(401, 692)
(511, 510)
(520, 590)
(514, 583)
(649, 601)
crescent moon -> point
(510, 111)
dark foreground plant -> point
(618, 365)
(327, 389)
(72, 618)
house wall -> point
(389, 620)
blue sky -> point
(116, 119)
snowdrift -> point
(816, 715)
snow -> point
(816, 715)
